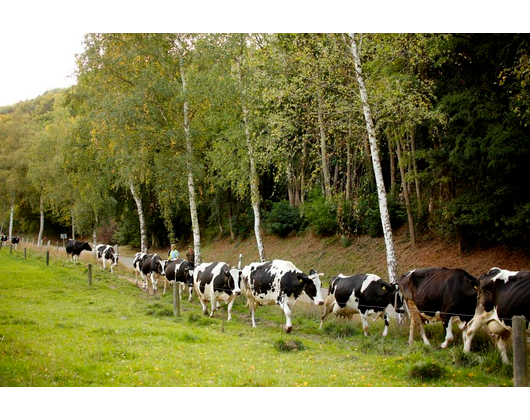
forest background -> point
(191, 137)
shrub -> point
(321, 214)
(283, 219)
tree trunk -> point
(11, 216)
(392, 167)
(73, 226)
(141, 218)
(415, 166)
(41, 227)
(94, 235)
(254, 180)
(406, 195)
(189, 161)
(323, 148)
(348, 164)
(381, 193)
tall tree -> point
(381, 192)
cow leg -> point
(165, 284)
(472, 327)
(190, 290)
(287, 310)
(204, 307)
(415, 318)
(252, 305)
(328, 305)
(385, 317)
(230, 303)
(448, 329)
(502, 341)
(145, 281)
(364, 320)
(154, 282)
(214, 303)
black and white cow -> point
(215, 282)
(279, 282)
(181, 271)
(4, 239)
(137, 265)
(15, 240)
(439, 294)
(364, 294)
(152, 266)
(74, 248)
(104, 253)
(502, 295)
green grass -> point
(56, 330)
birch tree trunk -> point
(381, 193)
(415, 166)
(41, 228)
(254, 180)
(189, 160)
(141, 218)
(11, 216)
(73, 226)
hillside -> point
(365, 255)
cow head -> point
(86, 246)
(486, 289)
(158, 266)
(234, 280)
(312, 286)
(188, 270)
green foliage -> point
(321, 214)
(283, 219)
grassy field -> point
(56, 330)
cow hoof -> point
(288, 330)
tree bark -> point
(381, 193)
(254, 180)
(189, 161)
(73, 226)
(323, 147)
(392, 167)
(406, 195)
(41, 227)
(141, 218)
(11, 216)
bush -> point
(321, 214)
(283, 219)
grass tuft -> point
(289, 345)
(428, 371)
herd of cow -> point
(427, 295)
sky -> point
(37, 62)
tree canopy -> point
(451, 113)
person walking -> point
(190, 255)
(173, 253)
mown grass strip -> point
(55, 330)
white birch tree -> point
(189, 155)
(381, 192)
(253, 174)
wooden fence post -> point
(176, 298)
(47, 257)
(520, 375)
(10, 249)
(24, 253)
(90, 274)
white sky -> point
(37, 62)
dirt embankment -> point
(366, 255)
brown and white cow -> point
(502, 295)
(438, 294)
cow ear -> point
(302, 277)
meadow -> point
(57, 330)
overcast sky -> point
(37, 62)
